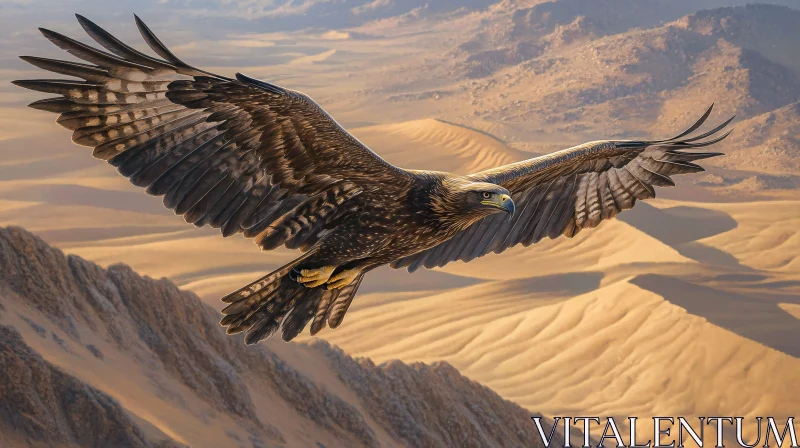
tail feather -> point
(257, 286)
(337, 310)
(279, 301)
(265, 322)
(301, 314)
(324, 306)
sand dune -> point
(436, 145)
(791, 308)
(723, 308)
(616, 350)
(766, 236)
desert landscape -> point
(688, 304)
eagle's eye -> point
(486, 195)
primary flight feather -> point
(250, 157)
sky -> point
(218, 33)
(199, 31)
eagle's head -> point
(461, 202)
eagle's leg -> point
(311, 278)
(343, 278)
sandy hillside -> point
(437, 145)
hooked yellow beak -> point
(501, 201)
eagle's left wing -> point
(569, 190)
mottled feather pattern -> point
(581, 209)
(569, 190)
(199, 138)
(301, 314)
(310, 214)
(592, 200)
(76, 120)
(261, 309)
(323, 307)
(337, 310)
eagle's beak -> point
(506, 204)
(501, 201)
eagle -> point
(250, 157)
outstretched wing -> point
(238, 154)
(569, 190)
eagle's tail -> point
(276, 300)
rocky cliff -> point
(95, 357)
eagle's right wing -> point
(238, 154)
(566, 191)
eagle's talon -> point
(314, 283)
(311, 278)
(343, 279)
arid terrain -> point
(689, 304)
(107, 358)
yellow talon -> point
(343, 279)
(313, 283)
(312, 278)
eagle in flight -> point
(247, 156)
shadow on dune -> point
(709, 255)
(680, 224)
(740, 278)
(386, 279)
(680, 228)
(787, 291)
(778, 284)
(567, 285)
(760, 320)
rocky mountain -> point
(613, 16)
(95, 357)
(537, 26)
(607, 70)
(43, 406)
(749, 51)
(769, 142)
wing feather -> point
(232, 153)
(564, 211)
(564, 192)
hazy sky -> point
(205, 32)
(209, 33)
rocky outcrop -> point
(769, 142)
(397, 395)
(605, 70)
(46, 407)
(163, 329)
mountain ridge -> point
(146, 344)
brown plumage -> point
(250, 157)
